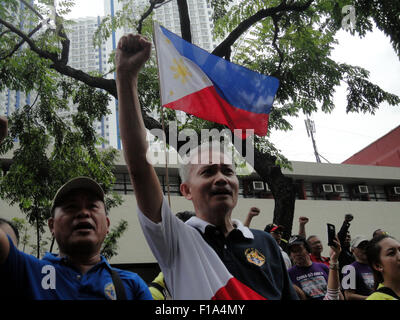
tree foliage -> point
(50, 143)
(110, 244)
(289, 39)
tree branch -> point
(108, 85)
(65, 42)
(153, 4)
(185, 20)
(275, 20)
(32, 9)
(60, 66)
(27, 39)
(161, 4)
(19, 44)
(223, 49)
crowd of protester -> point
(210, 255)
(354, 269)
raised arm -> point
(302, 226)
(131, 54)
(345, 227)
(253, 212)
(333, 291)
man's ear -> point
(185, 190)
(50, 223)
(108, 224)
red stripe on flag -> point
(207, 104)
(235, 290)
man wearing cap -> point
(276, 233)
(314, 241)
(79, 224)
(358, 278)
(310, 277)
(211, 256)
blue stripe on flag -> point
(241, 87)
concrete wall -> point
(368, 216)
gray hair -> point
(194, 157)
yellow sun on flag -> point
(181, 71)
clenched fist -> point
(131, 54)
(303, 220)
(254, 211)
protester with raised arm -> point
(79, 223)
(211, 256)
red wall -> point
(383, 152)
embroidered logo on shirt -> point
(109, 291)
(254, 256)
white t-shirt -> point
(183, 255)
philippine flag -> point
(211, 88)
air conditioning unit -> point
(258, 185)
(338, 188)
(267, 187)
(362, 189)
(327, 188)
(396, 190)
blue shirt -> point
(52, 278)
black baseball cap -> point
(77, 183)
(297, 239)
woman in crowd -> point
(333, 288)
(383, 253)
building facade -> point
(325, 193)
(83, 55)
(11, 100)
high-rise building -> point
(11, 100)
(201, 23)
(85, 56)
(167, 15)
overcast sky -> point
(338, 135)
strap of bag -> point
(159, 288)
(119, 287)
(389, 292)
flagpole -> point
(166, 157)
(162, 119)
